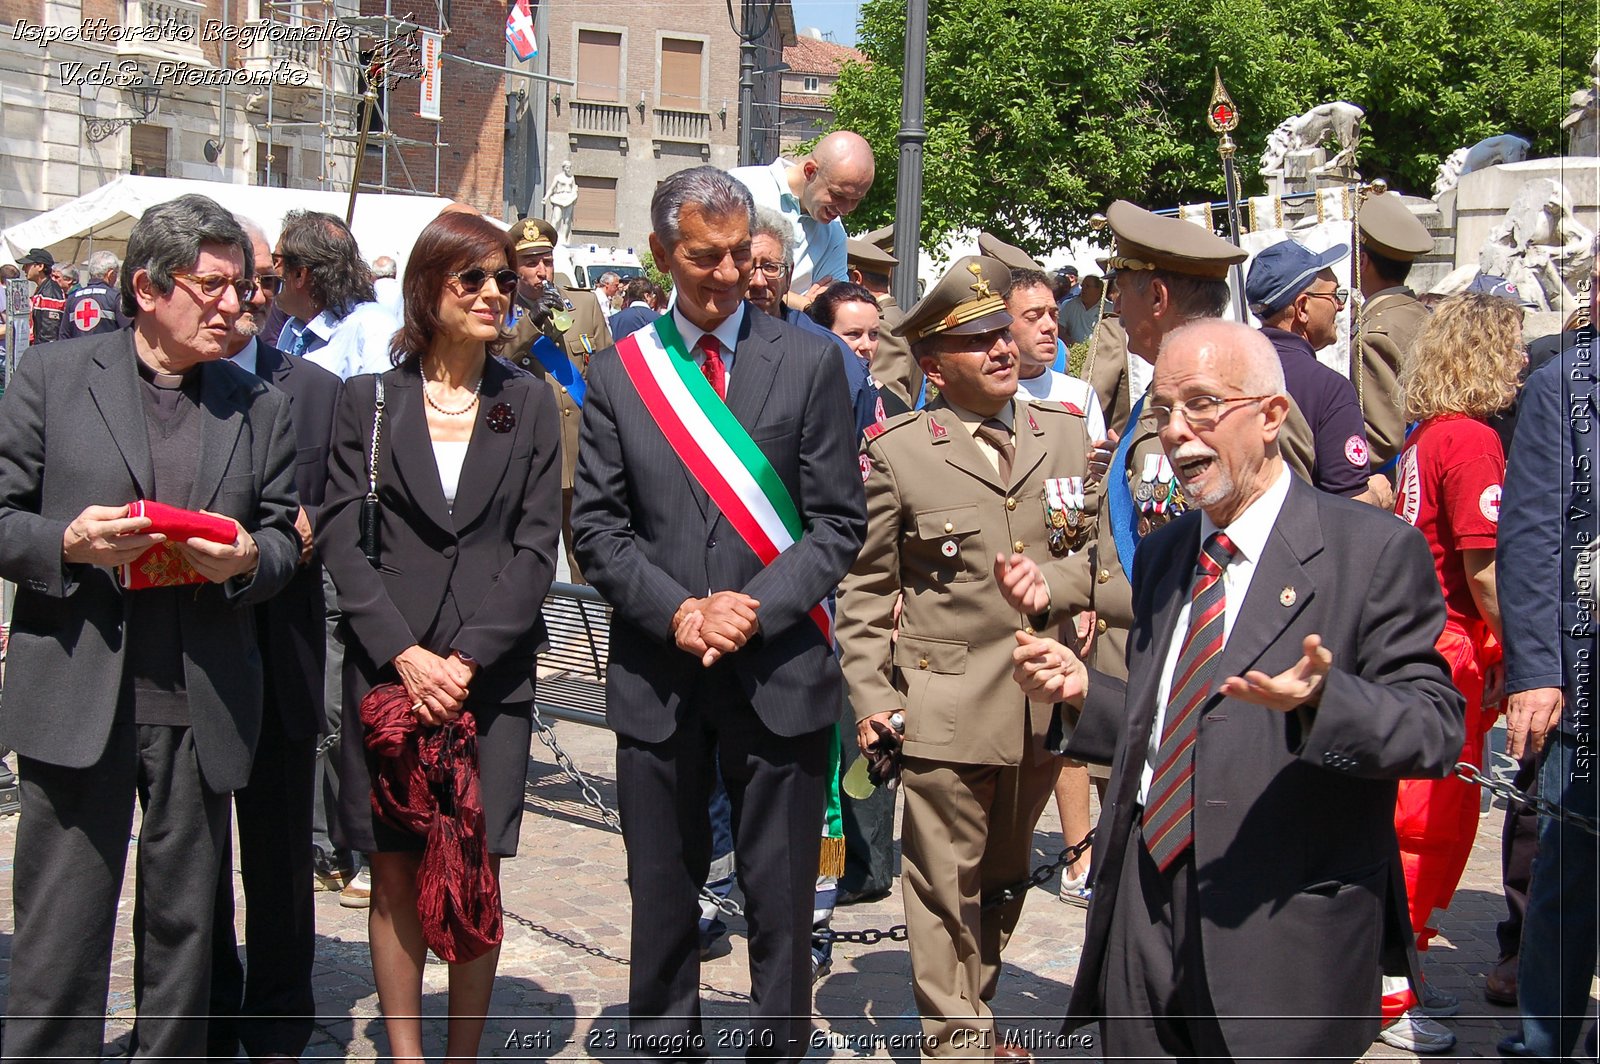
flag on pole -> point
(519, 30)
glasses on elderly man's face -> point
(1340, 296)
(473, 280)
(771, 270)
(1201, 412)
(269, 283)
(213, 285)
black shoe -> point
(714, 941)
(860, 897)
(328, 874)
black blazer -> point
(1298, 870)
(73, 434)
(648, 537)
(292, 625)
(493, 557)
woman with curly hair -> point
(1462, 369)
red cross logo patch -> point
(86, 315)
(1355, 450)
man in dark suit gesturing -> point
(718, 504)
(1282, 676)
(147, 692)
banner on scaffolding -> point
(432, 63)
(519, 31)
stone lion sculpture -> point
(1490, 151)
(1339, 121)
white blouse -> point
(449, 457)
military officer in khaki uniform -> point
(1106, 368)
(974, 487)
(871, 265)
(1391, 240)
(550, 305)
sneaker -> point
(328, 875)
(1075, 891)
(357, 894)
(1438, 1003)
(1415, 1032)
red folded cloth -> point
(426, 782)
(163, 565)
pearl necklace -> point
(477, 388)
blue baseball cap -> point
(1490, 284)
(1281, 272)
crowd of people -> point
(1264, 608)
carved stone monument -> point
(1583, 121)
(562, 199)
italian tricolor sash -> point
(713, 446)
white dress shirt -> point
(727, 335)
(1053, 387)
(1139, 374)
(819, 249)
(1249, 533)
(356, 343)
(246, 358)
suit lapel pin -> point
(501, 418)
(1286, 596)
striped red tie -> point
(716, 372)
(1169, 806)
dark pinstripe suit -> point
(648, 538)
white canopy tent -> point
(103, 219)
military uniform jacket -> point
(1389, 325)
(937, 514)
(588, 335)
(892, 365)
(1106, 370)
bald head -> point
(1219, 401)
(832, 181)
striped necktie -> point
(1169, 806)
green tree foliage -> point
(1040, 112)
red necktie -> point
(715, 371)
(1169, 807)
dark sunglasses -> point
(269, 283)
(471, 281)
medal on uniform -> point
(1164, 484)
(1146, 490)
(948, 548)
(1055, 514)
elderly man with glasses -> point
(134, 669)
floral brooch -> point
(502, 418)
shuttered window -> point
(681, 86)
(597, 205)
(599, 65)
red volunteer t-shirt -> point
(1450, 476)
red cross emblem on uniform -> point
(86, 315)
(1355, 450)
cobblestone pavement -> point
(562, 987)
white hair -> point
(1260, 369)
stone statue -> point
(1339, 120)
(1539, 246)
(1583, 120)
(562, 199)
(1490, 151)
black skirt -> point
(504, 733)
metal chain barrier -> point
(1543, 806)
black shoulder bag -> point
(369, 505)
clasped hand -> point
(716, 625)
(437, 686)
(1048, 671)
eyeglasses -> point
(771, 270)
(1340, 296)
(1201, 412)
(471, 281)
(213, 285)
(269, 283)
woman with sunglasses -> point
(469, 488)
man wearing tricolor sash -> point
(975, 488)
(718, 503)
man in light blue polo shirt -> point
(814, 193)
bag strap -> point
(377, 433)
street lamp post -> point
(908, 189)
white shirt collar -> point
(727, 333)
(246, 358)
(1251, 529)
(780, 173)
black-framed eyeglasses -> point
(771, 270)
(213, 285)
(269, 283)
(1201, 412)
(472, 281)
(1340, 296)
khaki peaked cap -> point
(967, 301)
